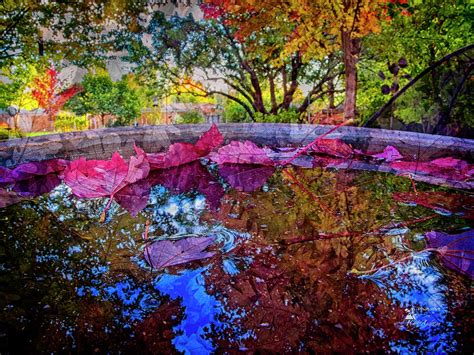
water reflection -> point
(281, 278)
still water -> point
(280, 267)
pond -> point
(291, 260)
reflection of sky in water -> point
(200, 310)
(417, 287)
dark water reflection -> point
(72, 284)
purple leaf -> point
(245, 177)
(455, 250)
(164, 253)
(134, 197)
(5, 177)
(241, 153)
(36, 185)
(35, 168)
(188, 177)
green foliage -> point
(190, 117)
(66, 122)
(18, 77)
(101, 96)
(10, 134)
(233, 112)
(290, 116)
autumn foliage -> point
(48, 92)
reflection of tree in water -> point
(68, 283)
(296, 294)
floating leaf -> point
(96, 178)
(138, 167)
(241, 153)
(448, 168)
(246, 177)
(183, 153)
(333, 147)
(455, 250)
(389, 154)
(164, 253)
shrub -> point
(190, 117)
(66, 122)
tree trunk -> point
(350, 49)
(331, 94)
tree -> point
(101, 96)
(314, 28)
(48, 91)
(204, 57)
(79, 31)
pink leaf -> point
(164, 253)
(138, 168)
(241, 153)
(183, 153)
(95, 178)
(448, 168)
(210, 140)
(245, 177)
(8, 198)
(450, 163)
(333, 147)
(455, 250)
(389, 154)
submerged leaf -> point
(241, 153)
(164, 253)
(455, 250)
